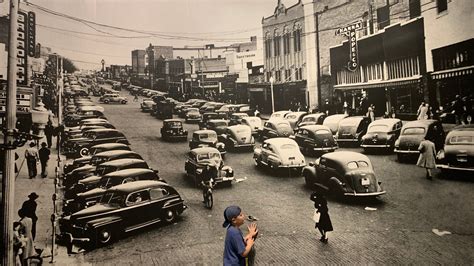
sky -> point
(159, 22)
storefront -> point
(390, 72)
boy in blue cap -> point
(237, 247)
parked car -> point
(236, 118)
(206, 117)
(93, 137)
(218, 125)
(344, 173)
(225, 110)
(255, 124)
(206, 137)
(279, 153)
(198, 158)
(332, 122)
(311, 119)
(181, 111)
(84, 112)
(113, 98)
(280, 114)
(124, 208)
(147, 105)
(413, 133)
(237, 136)
(173, 130)
(315, 139)
(458, 151)
(294, 118)
(192, 115)
(276, 127)
(382, 133)
(352, 129)
(108, 147)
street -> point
(398, 231)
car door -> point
(137, 208)
(159, 197)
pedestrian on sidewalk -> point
(44, 153)
(370, 112)
(323, 224)
(49, 131)
(59, 132)
(427, 156)
(27, 224)
(423, 111)
(31, 155)
(19, 242)
(29, 210)
(237, 249)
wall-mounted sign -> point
(24, 100)
(22, 54)
(350, 32)
(31, 34)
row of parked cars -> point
(109, 190)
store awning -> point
(380, 84)
(455, 72)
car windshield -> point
(291, 117)
(462, 140)
(378, 128)
(414, 131)
(113, 198)
(208, 136)
(309, 119)
(322, 132)
(220, 124)
(283, 126)
(288, 146)
(173, 124)
(209, 156)
(193, 110)
(357, 164)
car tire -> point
(103, 236)
(106, 101)
(209, 201)
(84, 152)
(257, 162)
(170, 216)
(124, 102)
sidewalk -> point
(44, 187)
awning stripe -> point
(456, 72)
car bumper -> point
(449, 167)
(375, 145)
(324, 149)
(189, 119)
(244, 145)
(407, 151)
(347, 140)
(289, 166)
(369, 194)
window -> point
(297, 40)
(157, 193)
(137, 197)
(442, 5)
(268, 48)
(286, 43)
(383, 17)
(414, 131)
(276, 45)
(403, 68)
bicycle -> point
(207, 193)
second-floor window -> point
(415, 8)
(442, 5)
(276, 45)
(268, 48)
(297, 40)
(286, 43)
(383, 16)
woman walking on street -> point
(324, 224)
(31, 155)
(427, 156)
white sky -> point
(231, 20)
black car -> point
(315, 139)
(173, 130)
(382, 134)
(93, 137)
(218, 125)
(458, 151)
(206, 138)
(236, 118)
(206, 117)
(198, 158)
(122, 209)
(352, 129)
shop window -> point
(415, 8)
(403, 68)
(345, 76)
(441, 5)
(383, 17)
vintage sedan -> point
(218, 125)
(236, 118)
(147, 105)
(255, 124)
(198, 158)
(276, 127)
(81, 146)
(352, 129)
(382, 134)
(312, 119)
(280, 114)
(294, 118)
(122, 209)
(206, 138)
(113, 98)
(332, 122)
(237, 136)
(413, 133)
(173, 130)
(315, 139)
(279, 153)
(344, 173)
(206, 117)
(108, 147)
(458, 152)
(192, 115)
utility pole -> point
(8, 182)
(318, 71)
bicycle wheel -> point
(209, 200)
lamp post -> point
(271, 91)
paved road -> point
(398, 232)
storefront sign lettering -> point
(350, 32)
(31, 34)
(21, 50)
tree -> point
(69, 66)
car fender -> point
(104, 221)
(336, 185)
(309, 172)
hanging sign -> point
(350, 32)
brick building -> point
(138, 62)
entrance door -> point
(377, 97)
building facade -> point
(138, 62)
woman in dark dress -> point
(324, 224)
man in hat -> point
(29, 209)
(31, 155)
(44, 153)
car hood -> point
(84, 168)
(84, 159)
(95, 209)
(92, 192)
(90, 179)
(78, 139)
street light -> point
(271, 90)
